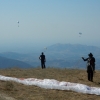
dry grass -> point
(23, 92)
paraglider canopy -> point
(80, 34)
(18, 23)
(45, 48)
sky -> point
(46, 22)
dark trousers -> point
(90, 75)
(42, 64)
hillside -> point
(23, 92)
(7, 63)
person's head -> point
(42, 53)
(90, 55)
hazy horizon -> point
(47, 22)
(34, 49)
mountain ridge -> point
(7, 62)
(59, 55)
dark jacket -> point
(90, 63)
(42, 58)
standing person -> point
(43, 60)
(90, 66)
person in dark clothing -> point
(43, 60)
(90, 66)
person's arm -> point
(44, 58)
(40, 57)
(84, 59)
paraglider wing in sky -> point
(18, 23)
(45, 48)
(80, 34)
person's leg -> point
(92, 76)
(89, 76)
(42, 65)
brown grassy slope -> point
(23, 92)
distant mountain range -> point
(8, 63)
(57, 55)
(69, 55)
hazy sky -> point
(46, 22)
